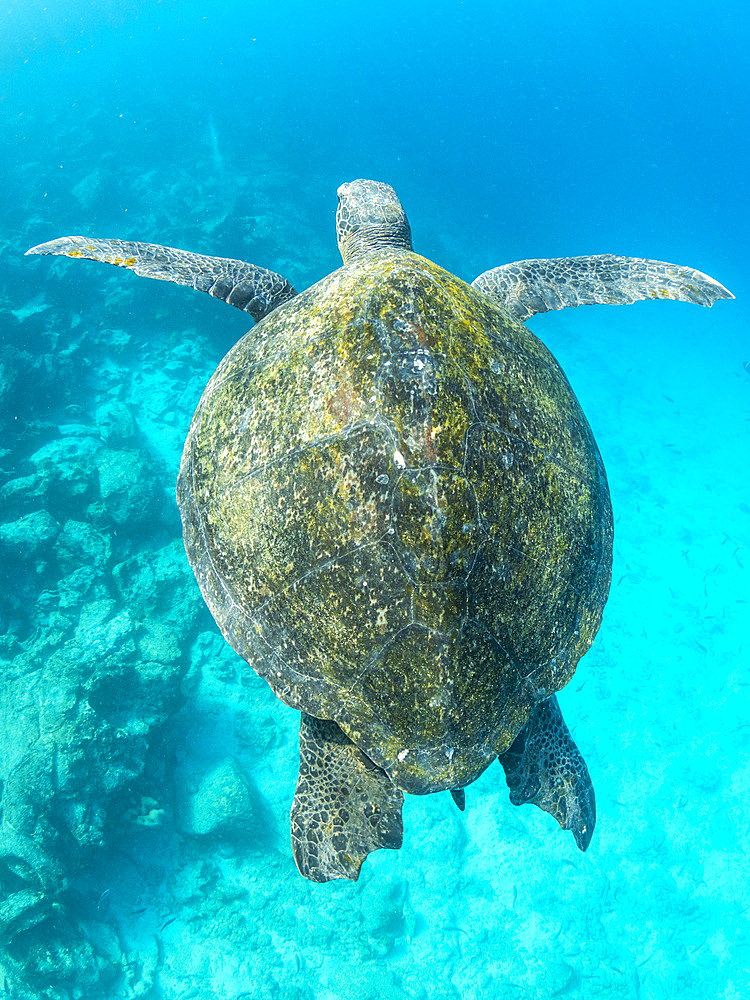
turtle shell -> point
(397, 514)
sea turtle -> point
(397, 514)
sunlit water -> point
(509, 131)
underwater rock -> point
(115, 424)
(116, 341)
(9, 646)
(79, 710)
(24, 538)
(160, 643)
(24, 659)
(121, 687)
(221, 803)
(68, 467)
(159, 693)
(100, 639)
(29, 787)
(84, 582)
(22, 910)
(75, 430)
(20, 495)
(55, 959)
(45, 952)
(23, 863)
(128, 485)
(212, 657)
(80, 542)
(27, 554)
(159, 585)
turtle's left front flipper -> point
(527, 287)
(544, 766)
(253, 289)
(344, 807)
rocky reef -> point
(99, 617)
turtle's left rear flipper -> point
(344, 807)
(544, 766)
(253, 289)
(527, 287)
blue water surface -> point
(509, 131)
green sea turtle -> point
(397, 514)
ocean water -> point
(146, 774)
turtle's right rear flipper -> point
(544, 766)
(344, 807)
(253, 289)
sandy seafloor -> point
(496, 902)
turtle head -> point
(369, 218)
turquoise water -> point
(146, 774)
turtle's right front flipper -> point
(544, 766)
(252, 289)
(345, 806)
